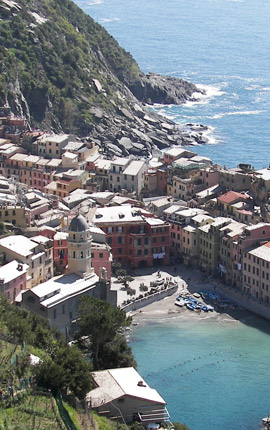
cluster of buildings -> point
(175, 207)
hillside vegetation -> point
(50, 53)
(35, 400)
(64, 72)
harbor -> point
(204, 361)
(211, 365)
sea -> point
(214, 374)
(220, 45)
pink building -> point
(162, 180)
(60, 251)
(101, 258)
(174, 153)
(252, 235)
(209, 176)
(136, 237)
(13, 279)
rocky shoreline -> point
(95, 91)
(138, 131)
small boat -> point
(199, 305)
(210, 308)
(191, 306)
(180, 302)
(266, 422)
(197, 295)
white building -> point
(132, 178)
(28, 252)
(122, 393)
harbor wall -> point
(249, 303)
(155, 297)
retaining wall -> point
(155, 297)
(249, 303)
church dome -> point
(78, 223)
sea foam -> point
(210, 92)
(109, 19)
(247, 112)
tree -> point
(117, 354)
(65, 370)
(100, 322)
(3, 228)
(131, 292)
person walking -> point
(10, 390)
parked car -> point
(157, 282)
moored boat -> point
(191, 306)
(266, 421)
(180, 302)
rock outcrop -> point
(65, 73)
(153, 88)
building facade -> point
(136, 237)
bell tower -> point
(79, 247)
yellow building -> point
(209, 243)
(13, 215)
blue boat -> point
(191, 306)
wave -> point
(257, 87)
(109, 19)
(211, 92)
(243, 78)
(212, 140)
(94, 2)
(244, 112)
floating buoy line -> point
(182, 364)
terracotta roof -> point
(231, 197)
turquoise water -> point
(213, 374)
(221, 44)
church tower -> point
(79, 247)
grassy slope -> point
(28, 409)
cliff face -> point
(64, 72)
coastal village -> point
(75, 221)
(176, 207)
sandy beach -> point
(166, 309)
(189, 281)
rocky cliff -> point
(64, 72)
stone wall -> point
(159, 295)
(249, 303)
